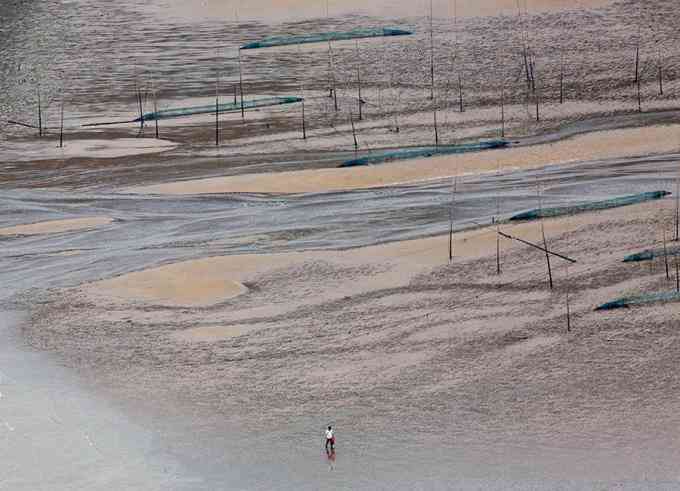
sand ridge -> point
(592, 146)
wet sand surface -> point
(203, 341)
(55, 436)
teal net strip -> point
(640, 300)
(410, 153)
(222, 108)
(323, 37)
(649, 254)
(589, 206)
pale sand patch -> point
(208, 281)
(56, 226)
(592, 146)
(96, 149)
(194, 283)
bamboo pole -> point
(331, 68)
(155, 110)
(639, 95)
(302, 95)
(545, 243)
(497, 220)
(40, 132)
(561, 77)
(660, 70)
(61, 124)
(431, 52)
(502, 109)
(568, 306)
(454, 186)
(436, 131)
(354, 133)
(240, 83)
(217, 109)
(677, 208)
(139, 103)
(665, 254)
(360, 101)
(537, 99)
(536, 246)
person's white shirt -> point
(329, 434)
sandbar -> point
(593, 146)
(55, 226)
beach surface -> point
(396, 332)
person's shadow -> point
(330, 454)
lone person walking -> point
(330, 439)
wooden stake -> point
(568, 307)
(302, 95)
(639, 96)
(354, 133)
(536, 97)
(39, 114)
(451, 215)
(217, 110)
(665, 254)
(141, 108)
(234, 95)
(436, 132)
(460, 92)
(561, 78)
(240, 83)
(61, 125)
(498, 226)
(331, 68)
(359, 81)
(677, 208)
(502, 110)
(677, 274)
(545, 243)
(660, 66)
(431, 53)
(637, 61)
(155, 110)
